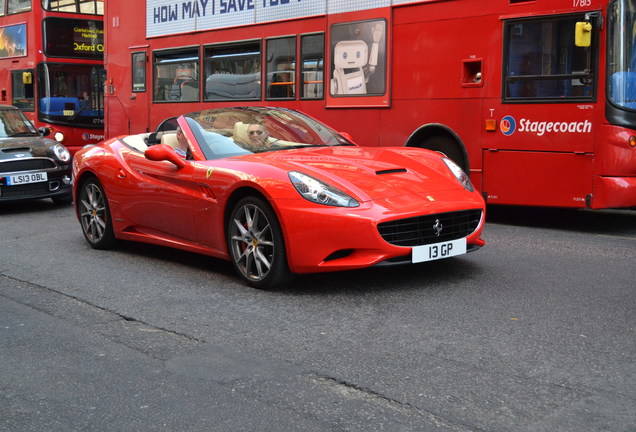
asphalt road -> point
(535, 332)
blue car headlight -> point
(319, 192)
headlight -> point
(59, 136)
(320, 192)
(459, 174)
(61, 152)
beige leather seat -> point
(239, 133)
(170, 138)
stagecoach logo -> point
(437, 227)
(87, 136)
(509, 125)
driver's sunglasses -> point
(256, 132)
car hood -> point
(376, 172)
(21, 147)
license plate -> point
(19, 179)
(437, 251)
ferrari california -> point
(277, 193)
(31, 166)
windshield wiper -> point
(19, 134)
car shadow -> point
(31, 206)
(609, 222)
(431, 275)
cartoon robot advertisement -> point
(358, 52)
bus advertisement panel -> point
(51, 66)
(534, 99)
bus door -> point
(541, 149)
(139, 97)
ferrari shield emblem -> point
(209, 173)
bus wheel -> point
(447, 147)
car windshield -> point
(229, 132)
(14, 124)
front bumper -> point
(320, 238)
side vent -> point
(206, 192)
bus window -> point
(233, 71)
(2, 5)
(281, 68)
(176, 76)
(17, 6)
(95, 7)
(542, 62)
(138, 70)
(312, 55)
(22, 90)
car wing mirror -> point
(162, 152)
(347, 136)
(44, 131)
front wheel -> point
(256, 244)
(95, 215)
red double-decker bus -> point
(52, 66)
(535, 98)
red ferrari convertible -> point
(277, 193)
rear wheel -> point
(95, 215)
(448, 147)
(256, 244)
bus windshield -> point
(71, 94)
(622, 54)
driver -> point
(258, 137)
(182, 148)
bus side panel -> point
(461, 119)
(537, 178)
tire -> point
(95, 215)
(256, 244)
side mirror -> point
(162, 152)
(347, 136)
(44, 131)
(583, 34)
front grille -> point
(26, 165)
(422, 230)
(25, 190)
